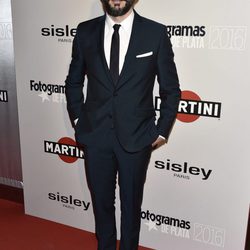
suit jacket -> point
(126, 106)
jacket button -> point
(115, 94)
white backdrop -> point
(197, 193)
(10, 166)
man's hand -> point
(158, 142)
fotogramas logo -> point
(3, 96)
(66, 148)
(187, 36)
(48, 92)
(165, 224)
(182, 228)
(192, 107)
(63, 33)
(69, 201)
(182, 170)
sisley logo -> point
(183, 170)
(58, 31)
(64, 34)
(69, 201)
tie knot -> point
(116, 27)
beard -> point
(115, 12)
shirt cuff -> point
(162, 137)
(75, 121)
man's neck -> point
(119, 19)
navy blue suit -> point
(117, 121)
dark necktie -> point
(114, 53)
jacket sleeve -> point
(169, 89)
(75, 80)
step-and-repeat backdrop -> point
(197, 188)
(10, 158)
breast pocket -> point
(145, 63)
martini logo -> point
(66, 148)
(183, 170)
(69, 201)
(191, 107)
(63, 34)
(3, 96)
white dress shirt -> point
(125, 34)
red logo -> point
(186, 116)
(191, 107)
(66, 148)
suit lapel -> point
(103, 58)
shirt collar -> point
(126, 24)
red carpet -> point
(23, 232)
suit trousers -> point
(103, 164)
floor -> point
(24, 232)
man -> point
(121, 53)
